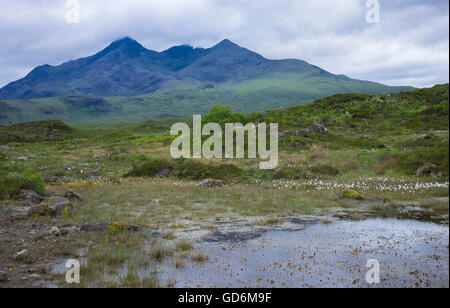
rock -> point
(61, 205)
(315, 128)
(22, 255)
(427, 169)
(22, 158)
(52, 180)
(72, 195)
(211, 183)
(31, 197)
(53, 206)
(67, 230)
(20, 243)
(101, 155)
(3, 277)
(47, 194)
(284, 133)
(55, 231)
(24, 204)
(166, 172)
(35, 276)
(438, 176)
(351, 194)
(132, 228)
(326, 120)
(43, 209)
(264, 114)
(90, 227)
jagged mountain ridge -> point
(126, 68)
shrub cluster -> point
(13, 183)
(187, 169)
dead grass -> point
(199, 257)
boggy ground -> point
(374, 145)
(178, 221)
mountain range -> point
(127, 82)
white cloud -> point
(409, 47)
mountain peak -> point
(126, 68)
(126, 41)
(226, 43)
(179, 51)
(127, 45)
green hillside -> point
(185, 99)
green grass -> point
(270, 92)
(374, 146)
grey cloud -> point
(409, 47)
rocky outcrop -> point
(72, 195)
(51, 207)
(22, 255)
(30, 197)
(315, 128)
(211, 183)
(427, 169)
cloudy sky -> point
(409, 45)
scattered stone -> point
(48, 194)
(156, 234)
(20, 243)
(3, 277)
(351, 194)
(67, 230)
(35, 276)
(55, 231)
(54, 206)
(284, 134)
(52, 180)
(24, 204)
(326, 120)
(211, 183)
(72, 195)
(91, 227)
(101, 155)
(61, 205)
(165, 173)
(132, 228)
(438, 176)
(264, 114)
(427, 169)
(22, 255)
(43, 209)
(315, 128)
(31, 197)
(22, 158)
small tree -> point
(222, 115)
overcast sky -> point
(409, 46)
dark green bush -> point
(410, 161)
(188, 169)
(325, 170)
(12, 184)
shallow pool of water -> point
(410, 253)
